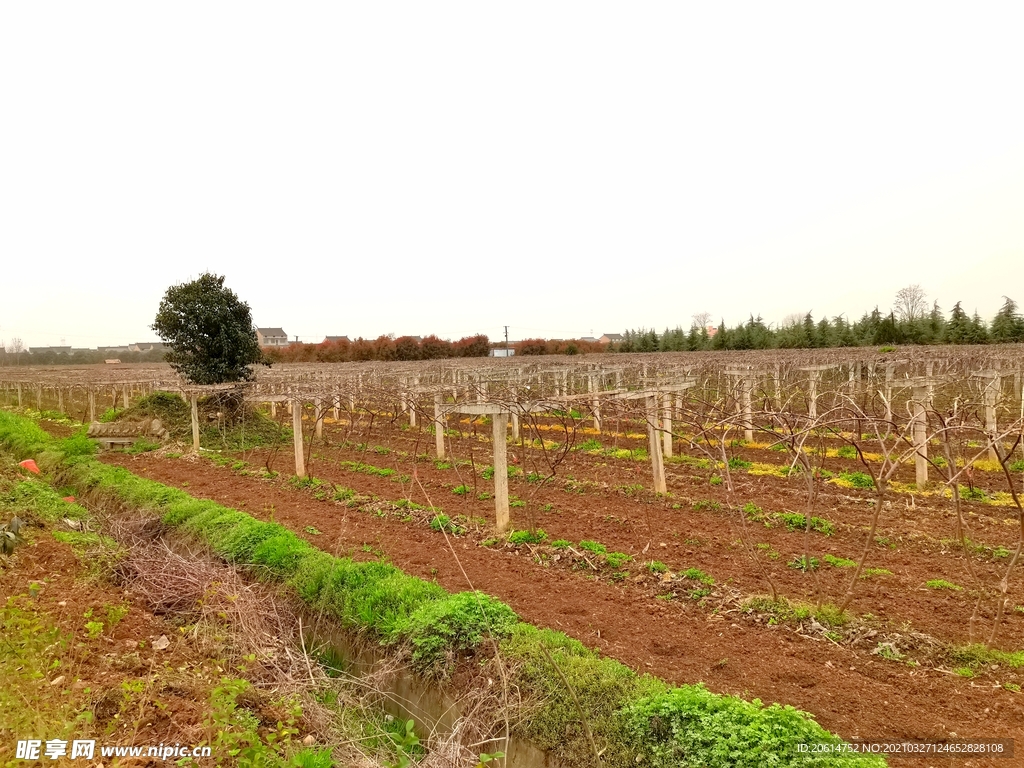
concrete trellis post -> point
(746, 385)
(889, 369)
(318, 415)
(19, 394)
(595, 402)
(653, 400)
(336, 407)
(39, 397)
(921, 392)
(744, 407)
(499, 423)
(124, 395)
(993, 386)
(92, 404)
(439, 420)
(300, 458)
(60, 400)
(814, 378)
(654, 445)
(666, 423)
(195, 423)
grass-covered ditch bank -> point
(582, 708)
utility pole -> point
(506, 341)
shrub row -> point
(633, 719)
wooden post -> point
(654, 445)
(666, 423)
(499, 423)
(300, 458)
(921, 436)
(438, 427)
(195, 423)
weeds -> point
(527, 537)
(943, 584)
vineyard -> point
(839, 530)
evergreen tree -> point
(936, 324)
(979, 331)
(1008, 325)
(958, 329)
(721, 338)
(825, 335)
(693, 339)
(810, 332)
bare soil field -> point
(885, 674)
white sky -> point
(450, 168)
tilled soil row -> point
(719, 541)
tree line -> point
(382, 348)
(898, 326)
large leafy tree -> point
(209, 330)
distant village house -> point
(272, 337)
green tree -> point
(958, 329)
(1008, 325)
(209, 331)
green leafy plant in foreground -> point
(455, 623)
(617, 559)
(594, 547)
(671, 728)
(527, 537)
(942, 584)
(839, 562)
(445, 523)
(697, 575)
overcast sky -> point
(451, 168)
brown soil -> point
(174, 682)
(850, 692)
